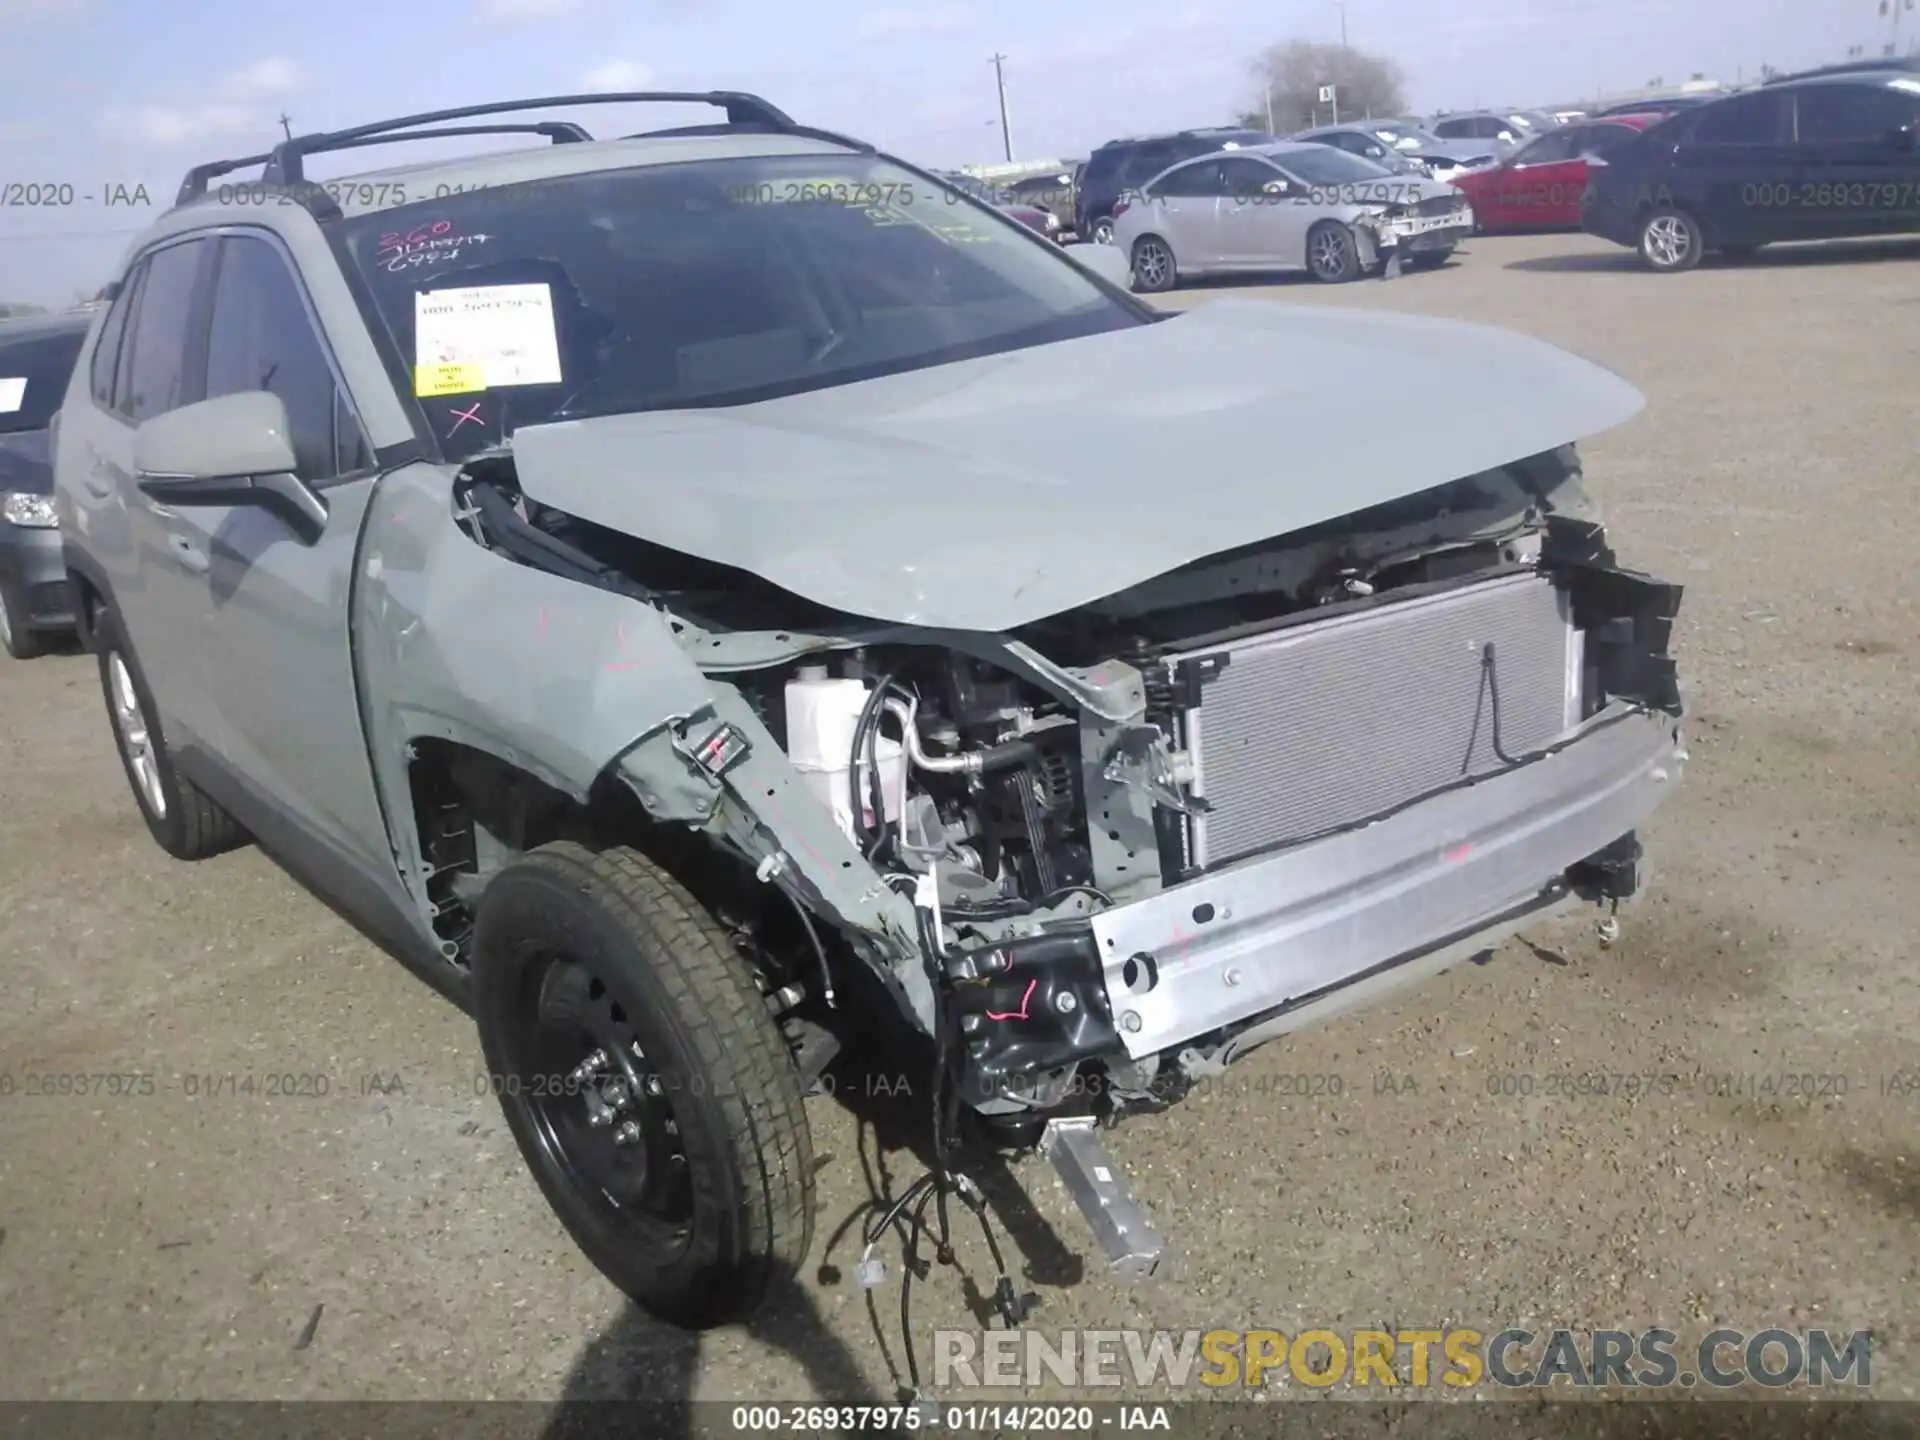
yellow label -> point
(457, 379)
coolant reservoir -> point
(821, 715)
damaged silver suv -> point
(616, 575)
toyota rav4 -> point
(614, 574)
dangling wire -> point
(942, 1180)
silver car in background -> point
(1286, 206)
(1402, 145)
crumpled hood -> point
(989, 493)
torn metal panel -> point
(455, 642)
(914, 497)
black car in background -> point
(1660, 105)
(1123, 164)
(1809, 160)
(37, 355)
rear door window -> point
(158, 372)
(1757, 119)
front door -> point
(1540, 187)
(1727, 168)
(278, 680)
(1857, 163)
(1263, 220)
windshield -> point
(34, 371)
(1324, 165)
(704, 283)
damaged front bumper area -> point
(1208, 968)
(1241, 944)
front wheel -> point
(1331, 254)
(1154, 269)
(651, 1093)
(1102, 233)
(1670, 240)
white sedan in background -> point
(1285, 206)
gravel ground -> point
(176, 1245)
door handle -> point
(188, 554)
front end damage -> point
(1117, 847)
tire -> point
(610, 1005)
(182, 819)
(1431, 259)
(1670, 240)
(1332, 255)
(1154, 269)
(1102, 232)
(20, 642)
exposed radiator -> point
(1325, 723)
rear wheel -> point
(1102, 232)
(1331, 254)
(21, 643)
(180, 816)
(1154, 269)
(651, 1093)
(1670, 240)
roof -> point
(1878, 79)
(753, 127)
(1887, 64)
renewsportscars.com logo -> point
(1455, 1357)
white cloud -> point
(240, 102)
(516, 12)
(915, 22)
(617, 75)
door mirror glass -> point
(231, 437)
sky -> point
(100, 97)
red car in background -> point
(1539, 186)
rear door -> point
(1858, 166)
(1185, 203)
(280, 681)
(158, 589)
(1260, 229)
(1729, 163)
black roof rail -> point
(561, 132)
(282, 164)
(1877, 65)
(742, 109)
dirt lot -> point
(175, 1245)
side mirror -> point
(1277, 187)
(1109, 262)
(230, 450)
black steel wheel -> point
(648, 1088)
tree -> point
(1293, 73)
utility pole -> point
(286, 125)
(1006, 130)
(1341, 6)
(1270, 129)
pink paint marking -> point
(543, 622)
(1021, 1013)
(1456, 853)
(461, 417)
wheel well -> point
(473, 812)
(87, 605)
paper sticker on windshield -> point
(13, 393)
(501, 333)
(454, 379)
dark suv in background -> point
(1814, 159)
(1123, 164)
(37, 355)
